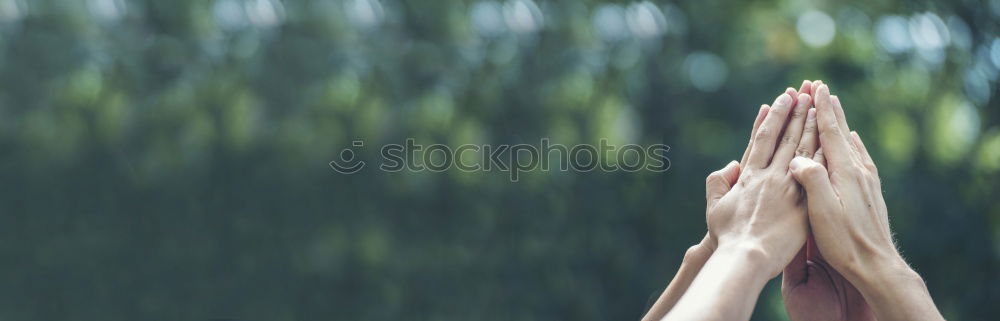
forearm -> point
(895, 291)
(694, 260)
(727, 286)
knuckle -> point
(788, 140)
(798, 113)
(834, 129)
(803, 151)
(712, 178)
(763, 133)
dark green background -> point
(167, 160)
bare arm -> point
(694, 259)
(850, 221)
(716, 185)
(727, 287)
(895, 291)
(759, 223)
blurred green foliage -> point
(167, 160)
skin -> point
(717, 184)
(758, 223)
(696, 256)
(812, 286)
(811, 289)
(849, 220)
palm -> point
(814, 291)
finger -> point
(839, 111)
(792, 93)
(806, 87)
(832, 137)
(767, 135)
(808, 143)
(820, 195)
(819, 157)
(863, 152)
(815, 87)
(793, 133)
(753, 132)
(719, 182)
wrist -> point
(750, 256)
(883, 274)
(872, 270)
(727, 286)
(883, 279)
(896, 292)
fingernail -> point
(783, 99)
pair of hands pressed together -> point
(805, 200)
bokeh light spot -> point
(265, 13)
(816, 28)
(955, 124)
(523, 16)
(645, 20)
(609, 22)
(365, 14)
(487, 18)
(892, 34)
(706, 71)
(107, 10)
(12, 10)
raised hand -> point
(849, 220)
(812, 289)
(763, 208)
(757, 223)
(716, 185)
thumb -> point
(720, 182)
(816, 181)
